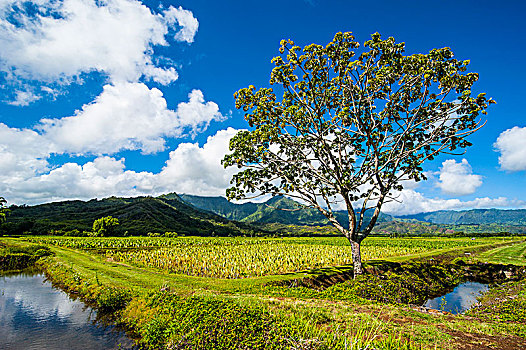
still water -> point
(460, 299)
(34, 315)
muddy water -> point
(35, 315)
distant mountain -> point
(278, 209)
(284, 210)
(221, 206)
(416, 228)
(476, 220)
(473, 217)
(206, 216)
(137, 216)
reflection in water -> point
(460, 299)
(34, 315)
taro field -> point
(249, 257)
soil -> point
(473, 341)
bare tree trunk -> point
(356, 258)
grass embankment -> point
(169, 311)
(238, 258)
(178, 311)
(514, 254)
(18, 256)
(505, 303)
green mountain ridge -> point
(137, 216)
(492, 221)
(207, 216)
(221, 206)
(473, 217)
(278, 209)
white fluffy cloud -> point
(23, 154)
(47, 44)
(198, 170)
(102, 177)
(457, 178)
(24, 98)
(189, 169)
(411, 201)
(511, 144)
(128, 116)
(186, 20)
(53, 41)
(196, 114)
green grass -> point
(18, 256)
(513, 254)
(119, 274)
(350, 323)
(236, 258)
(124, 274)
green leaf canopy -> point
(338, 126)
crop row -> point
(250, 260)
(248, 257)
(162, 242)
(265, 257)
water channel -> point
(35, 315)
(463, 297)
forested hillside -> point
(473, 217)
(278, 209)
(269, 217)
(137, 216)
(208, 216)
(221, 206)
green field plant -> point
(248, 257)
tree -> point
(105, 226)
(349, 129)
(3, 209)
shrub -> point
(15, 261)
(105, 226)
(73, 233)
(113, 299)
(213, 324)
(42, 252)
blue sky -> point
(122, 97)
